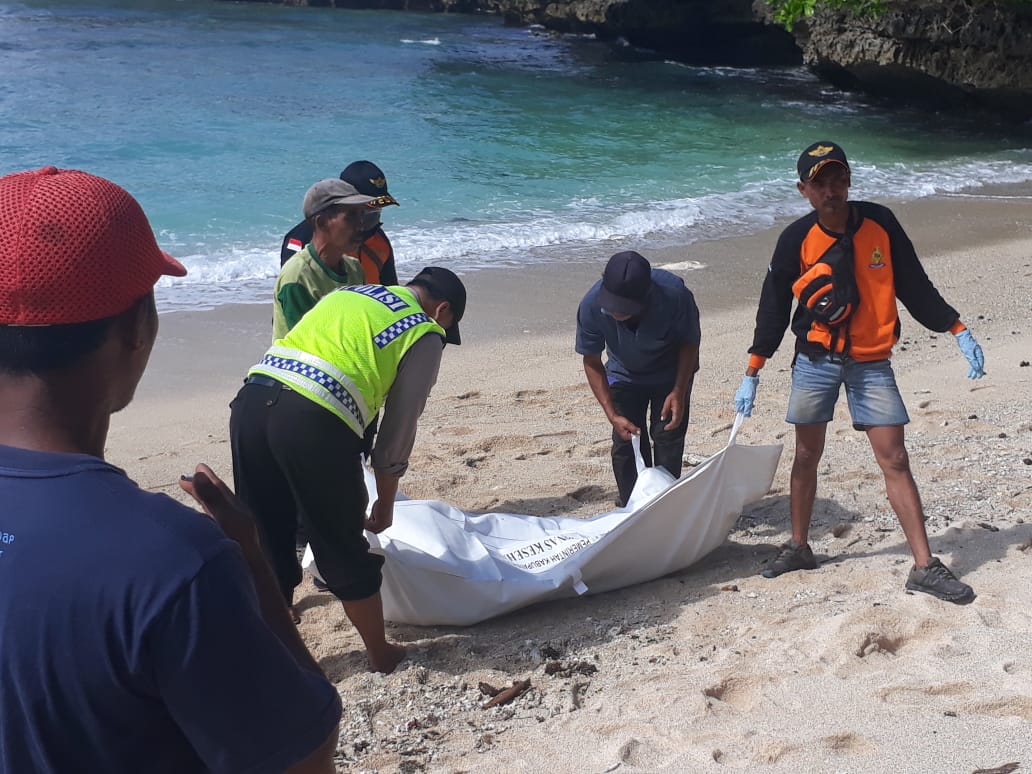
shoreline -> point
(730, 278)
(675, 244)
(712, 667)
(928, 220)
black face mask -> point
(370, 223)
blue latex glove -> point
(746, 395)
(973, 353)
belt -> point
(264, 381)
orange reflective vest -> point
(374, 254)
(887, 269)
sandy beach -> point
(714, 668)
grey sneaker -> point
(792, 556)
(937, 580)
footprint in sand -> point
(917, 694)
(772, 752)
(588, 470)
(533, 397)
(991, 618)
(742, 693)
(874, 642)
(588, 494)
(630, 752)
(507, 443)
(880, 632)
(845, 743)
(538, 453)
(455, 430)
(1010, 707)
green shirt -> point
(302, 281)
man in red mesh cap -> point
(137, 635)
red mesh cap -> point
(73, 248)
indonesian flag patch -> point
(294, 245)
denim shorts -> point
(871, 392)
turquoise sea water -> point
(503, 145)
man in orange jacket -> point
(849, 344)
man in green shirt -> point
(335, 209)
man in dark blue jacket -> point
(137, 635)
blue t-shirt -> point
(131, 637)
(644, 355)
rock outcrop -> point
(961, 52)
(966, 51)
(717, 32)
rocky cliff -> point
(962, 53)
(723, 32)
(966, 51)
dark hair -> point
(35, 349)
(26, 349)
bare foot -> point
(388, 659)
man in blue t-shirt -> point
(136, 634)
(647, 322)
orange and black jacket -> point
(887, 268)
(375, 254)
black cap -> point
(625, 284)
(818, 156)
(445, 285)
(368, 179)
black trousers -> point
(295, 463)
(301, 538)
(667, 446)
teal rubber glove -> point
(973, 353)
(746, 395)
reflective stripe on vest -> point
(344, 353)
(314, 377)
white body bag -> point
(447, 567)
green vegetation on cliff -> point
(788, 12)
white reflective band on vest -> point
(315, 376)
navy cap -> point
(370, 180)
(446, 286)
(817, 157)
(626, 282)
